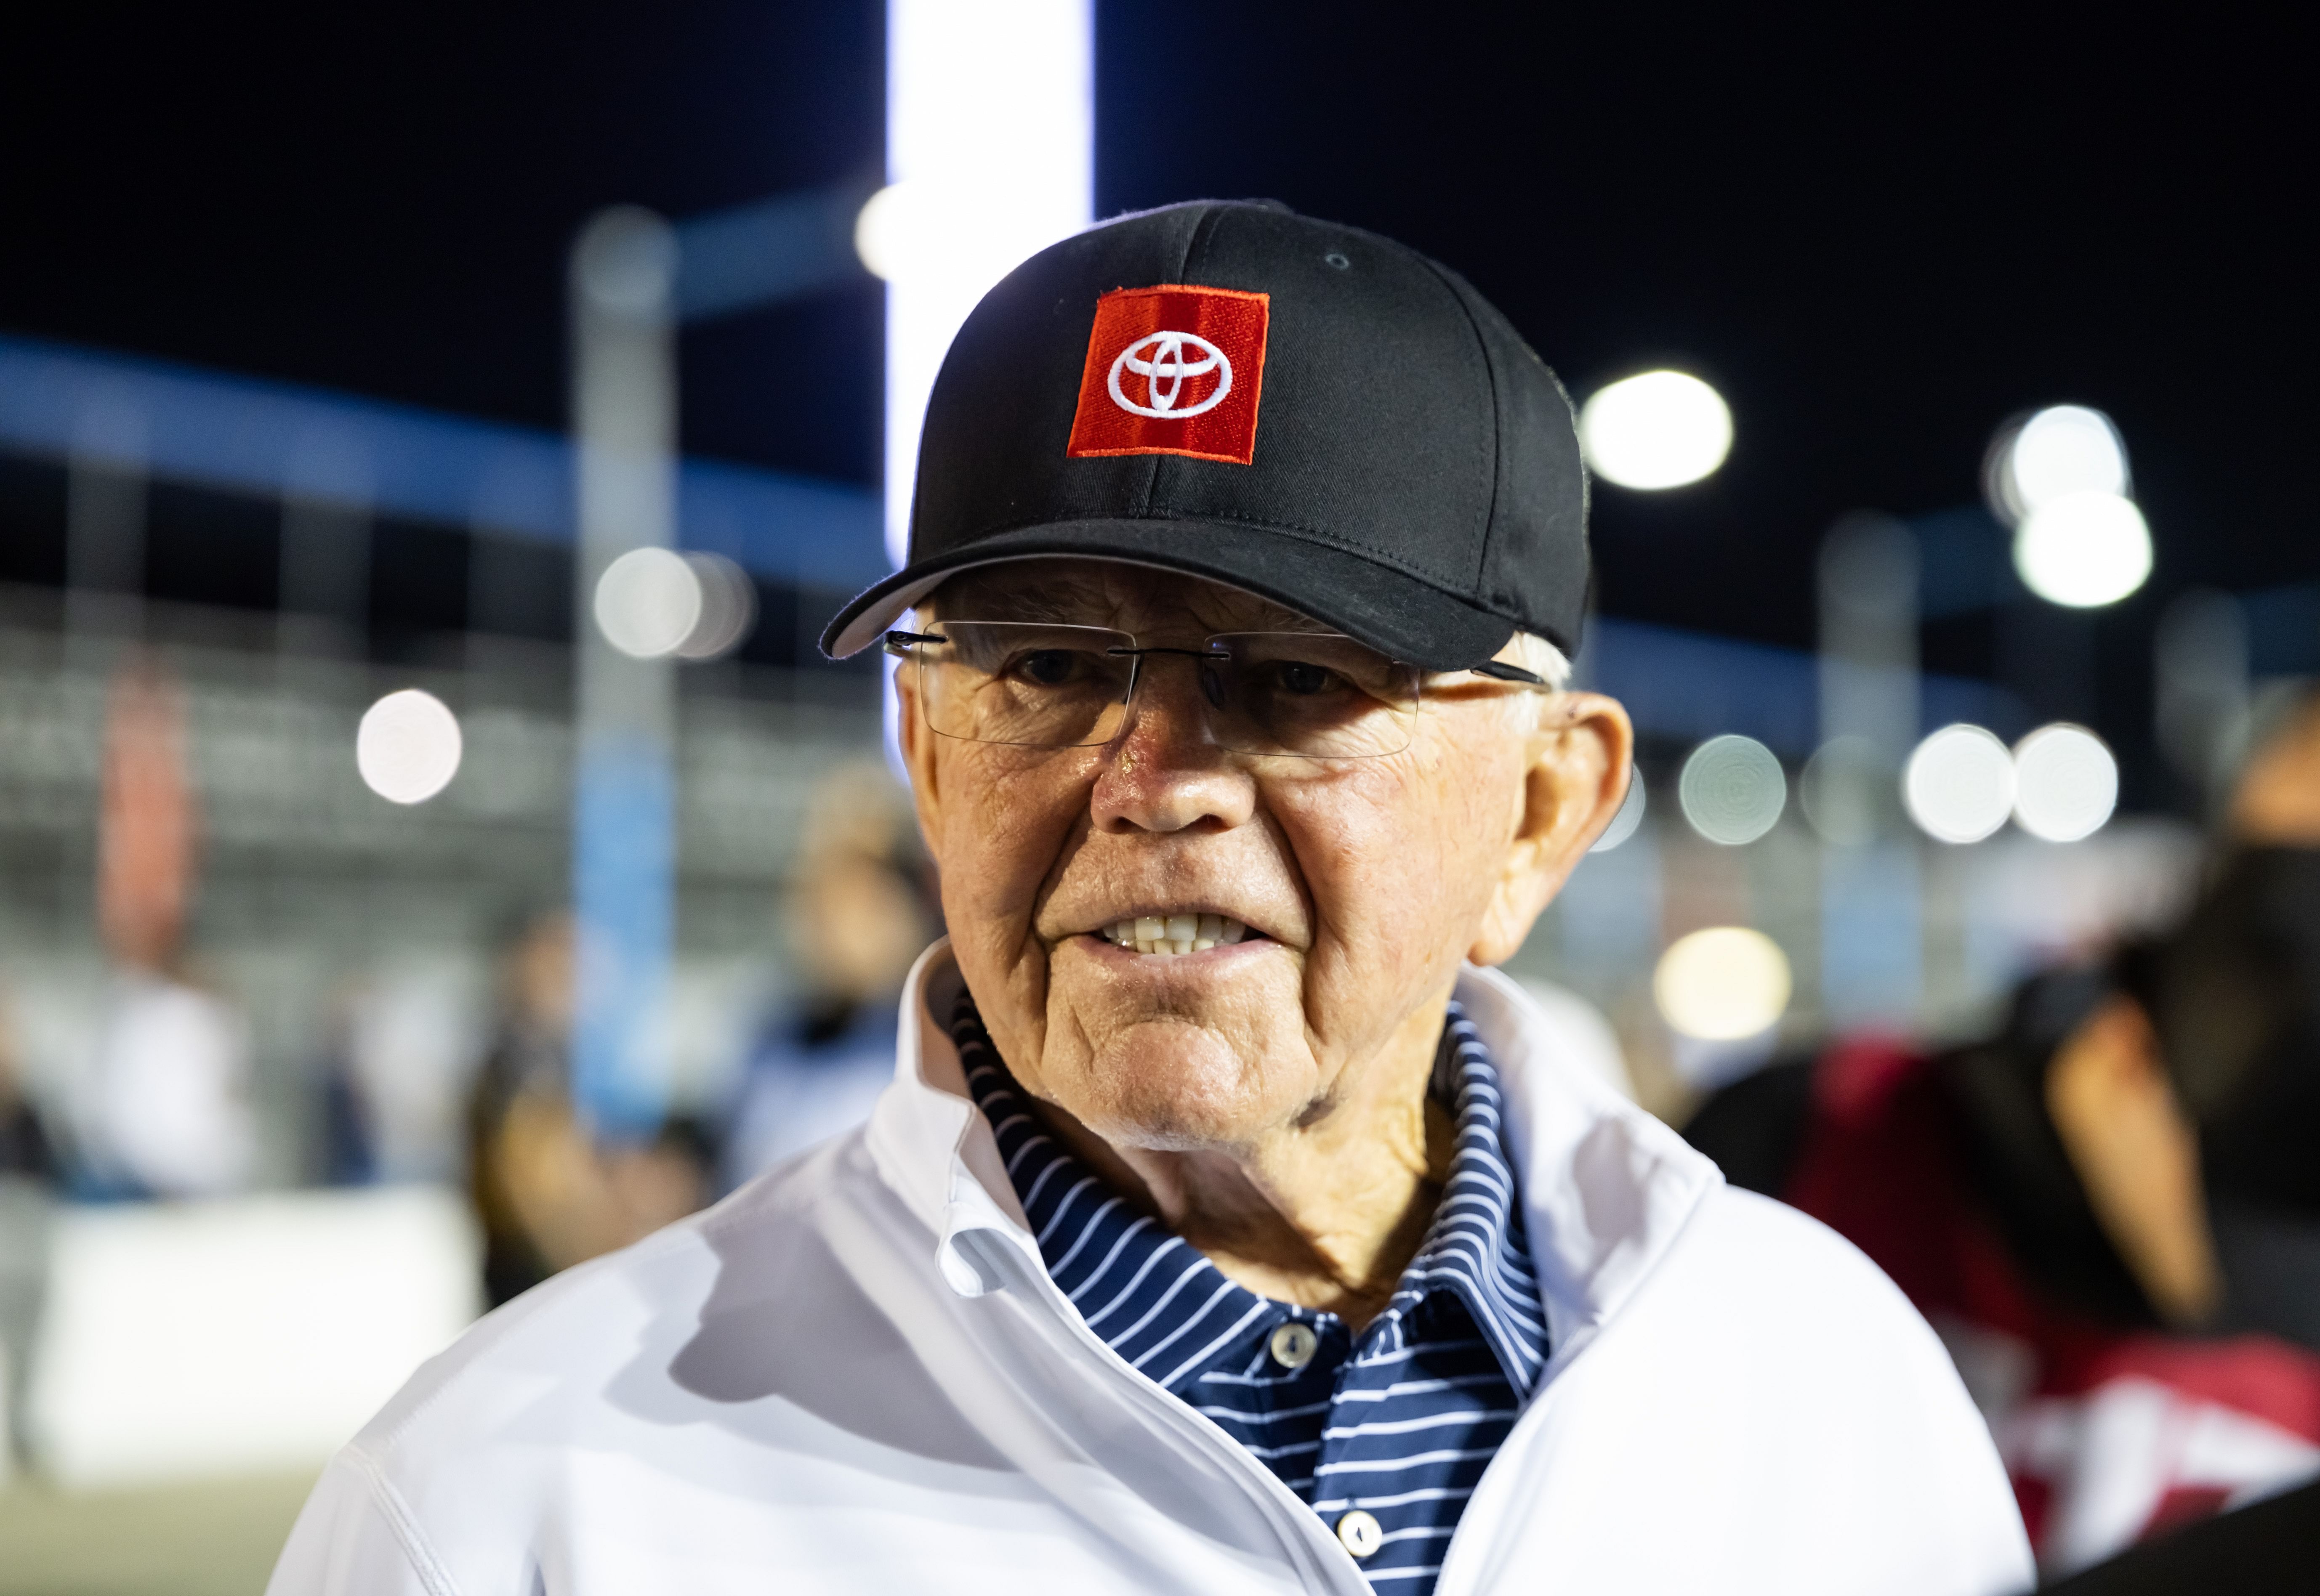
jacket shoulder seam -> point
(404, 1523)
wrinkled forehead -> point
(1120, 594)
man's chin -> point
(1169, 1083)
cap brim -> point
(1396, 613)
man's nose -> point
(1163, 773)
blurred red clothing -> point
(2111, 1435)
(147, 827)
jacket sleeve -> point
(352, 1538)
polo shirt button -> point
(1359, 1533)
(1294, 1344)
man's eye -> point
(1302, 680)
(1049, 667)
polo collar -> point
(1606, 1188)
(1142, 1289)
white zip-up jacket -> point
(855, 1376)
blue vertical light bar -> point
(624, 868)
(624, 810)
(1872, 965)
(1873, 952)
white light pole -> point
(990, 157)
(1868, 675)
(1873, 952)
(323, 590)
(623, 280)
(104, 529)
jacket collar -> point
(1606, 1187)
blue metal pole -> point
(624, 821)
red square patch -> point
(1174, 370)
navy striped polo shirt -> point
(1384, 1433)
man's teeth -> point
(1174, 933)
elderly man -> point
(1228, 1227)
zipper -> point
(1325, 1556)
(1532, 1420)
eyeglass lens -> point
(1312, 696)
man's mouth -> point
(1174, 934)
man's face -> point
(1362, 883)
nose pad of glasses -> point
(1212, 680)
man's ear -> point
(1580, 758)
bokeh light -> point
(1661, 429)
(647, 602)
(1630, 815)
(2064, 449)
(728, 609)
(2065, 783)
(892, 230)
(408, 747)
(917, 232)
(2083, 549)
(1723, 984)
(1845, 791)
(1731, 790)
(1959, 784)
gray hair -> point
(1541, 658)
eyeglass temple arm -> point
(1500, 671)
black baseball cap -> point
(1303, 410)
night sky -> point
(1878, 235)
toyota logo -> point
(1164, 360)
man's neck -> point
(1325, 1212)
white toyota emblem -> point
(1164, 360)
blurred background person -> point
(546, 1194)
(165, 1109)
(858, 917)
(24, 1152)
(396, 1071)
(2111, 1208)
(26, 1168)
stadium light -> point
(1725, 984)
(2065, 449)
(647, 602)
(2059, 477)
(2065, 783)
(1959, 784)
(1731, 790)
(1660, 429)
(2083, 550)
(407, 747)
